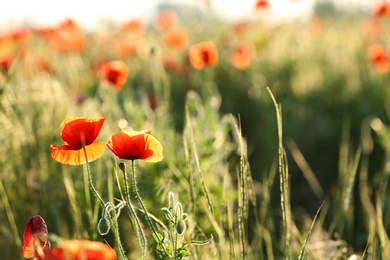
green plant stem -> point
(133, 216)
(114, 222)
(141, 203)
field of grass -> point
(288, 158)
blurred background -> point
(326, 62)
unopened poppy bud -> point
(122, 166)
(180, 227)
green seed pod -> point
(171, 198)
(180, 227)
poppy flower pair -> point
(36, 245)
(80, 133)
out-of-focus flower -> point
(133, 145)
(171, 64)
(126, 48)
(203, 54)
(261, 4)
(22, 35)
(5, 62)
(115, 72)
(241, 57)
(373, 27)
(378, 56)
(79, 133)
(6, 44)
(81, 249)
(67, 36)
(176, 38)
(35, 238)
(135, 27)
(165, 19)
(382, 10)
(316, 25)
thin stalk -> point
(113, 220)
(284, 180)
(309, 233)
(11, 218)
(138, 197)
(133, 216)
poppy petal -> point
(136, 145)
(82, 249)
(66, 154)
(35, 233)
(154, 145)
(77, 131)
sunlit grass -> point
(241, 203)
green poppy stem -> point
(138, 197)
(113, 220)
(132, 215)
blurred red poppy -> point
(373, 27)
(203, 54)
(378, 55)
(133, 145)
(67, 36)
(135, 27)
(241, 57)
(261, 4)
(382, 9)
(5, 62)
(165, 19)
(22, 35)
(79, 133)
(115, 72)
(126, 48)
(176, 38)
(6, 44)
(35, 238)
(81, 249)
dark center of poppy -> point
(205, 56)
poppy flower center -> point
(205, 56)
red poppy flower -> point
(378, 55)
(166, 18)
(67, 36)
(81, 249)
(114, 72)
(261, 4)
(382, 10)
(35, 237)
(22, 35)
(135, 27)
(203, 54)
(132, 145)
(5, 62)
(176, 38)
(241, 57)
(79, 132)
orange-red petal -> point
(136, 145)
(34, 234)
(203, 54)
(81, 249)
(66, 154)
(114, 72)
(79, 131)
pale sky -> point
(88, 13)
